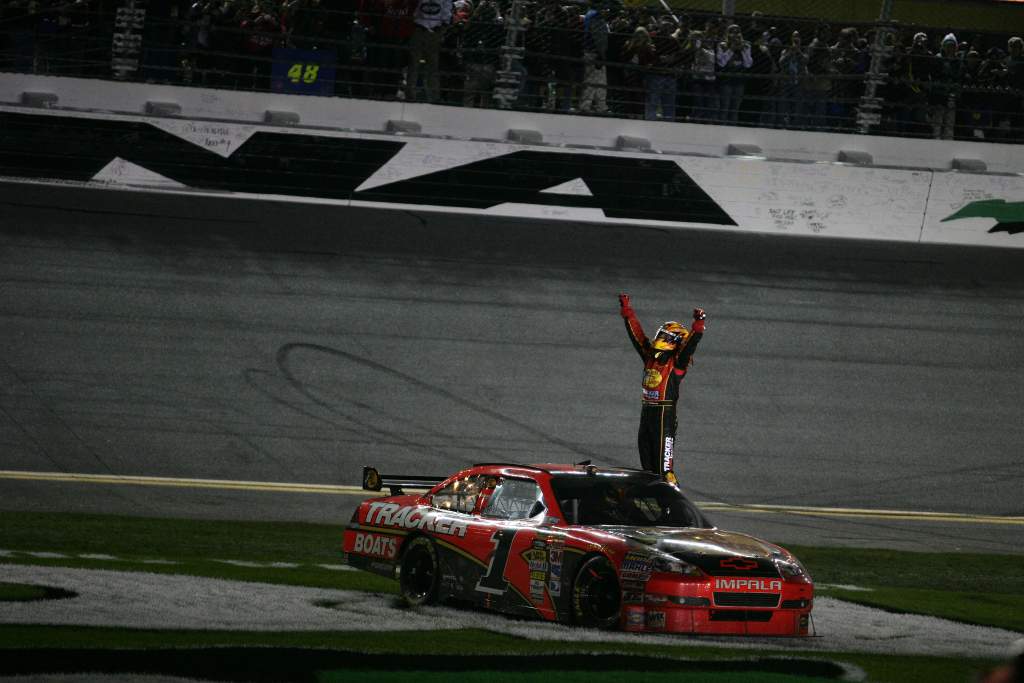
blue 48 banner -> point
(303, 72)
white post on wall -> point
(728, 8)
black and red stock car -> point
(611, 548)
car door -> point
(518, 569)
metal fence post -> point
(728, 8)
(509, 77)
(869, 112)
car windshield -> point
(624, 499)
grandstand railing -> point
(869, 77)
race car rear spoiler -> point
(375, 481)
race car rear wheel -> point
(596, 597)
(420, 573)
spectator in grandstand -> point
(756, 28)
(1014, 80)
(620, 30)
(771, 115)
(734, 63)
(793, 71)
(263, 31)
(974, 115)
(595, 58)
(388, 25)
(661, 81)
(818, 89)
(451, 66)
(304, 23)
(637, 54)
(550, 56)
(849, 63)
(703, 87)
(430, 20)
(918, 73)
(945, 88)
(759, 94)
(483, 39)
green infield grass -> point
(455, 650)
(309, 555)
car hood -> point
(717, 552)
(694, 541)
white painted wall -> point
(810, 198)
(460, 123)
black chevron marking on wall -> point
(73, 148)
(624, 187)
(303, 165)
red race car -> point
(603, 547)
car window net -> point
(626, 501)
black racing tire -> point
(596, 595)
(420, 572)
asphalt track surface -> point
(230, 339)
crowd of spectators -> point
(596, 58)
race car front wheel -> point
(596, 597)
(420, 573)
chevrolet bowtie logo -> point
(738, 563)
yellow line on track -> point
(341, 490)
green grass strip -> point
(985, 609)
(380, 647)
(920, 583)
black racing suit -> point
(663, 371)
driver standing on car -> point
(666, 359)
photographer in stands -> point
(793, 67)
(734, 63)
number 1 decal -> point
(494, 580)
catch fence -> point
(810, 65)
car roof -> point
(562, 468)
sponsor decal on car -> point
(555, 555)
(414, 517)
(748, 584)
(634, 618)
(655, 619)
(537, 590)
(635, 567)
(632, 597)
(376, 545)
(536, 560)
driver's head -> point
(670, 336)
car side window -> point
(460, 495)
(515, 499)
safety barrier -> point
(628, 180)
